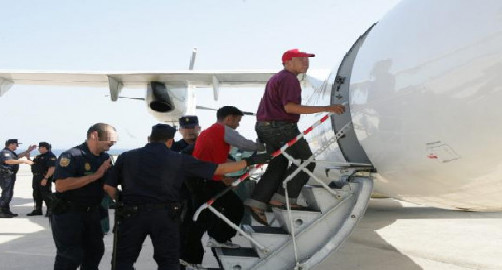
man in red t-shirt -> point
(277, 116)
(213, 145)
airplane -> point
(422, 88)
(424, 112)
(422, 93)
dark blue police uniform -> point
(7, 178)
(76, 225)
(186, 121)
(41, 165)
(151, 178)
(179, 146)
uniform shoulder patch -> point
(64, 162)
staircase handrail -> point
(301, 166)
(274, 154)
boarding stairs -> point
(301, 239)
(318, 231)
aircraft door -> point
(349, 144)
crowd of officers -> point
(157, 188)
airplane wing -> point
(116, 80)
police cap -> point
(45, 144)
(9, 141)
(162, 131)
(189, 121)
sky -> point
(148, 35)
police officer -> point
(9, 165)
(75, 219)
(189, 129)
(151, 179)
(42, 169)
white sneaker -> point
(213, 243)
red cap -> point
(288, 55)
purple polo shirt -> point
(282, 88)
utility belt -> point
(60, 206)
(130, 210)
(39, 175)
(5, 172)
(275, 123)
(82, 208)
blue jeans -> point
(7, 184)
(275, 135)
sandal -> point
(275, 203)
(258, 215)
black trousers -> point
(78, 238)
(7, 182)
(229, 205)
(40, 193)
(275, 135)
(162, 228)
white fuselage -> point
(424, 98)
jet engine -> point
(158, 98)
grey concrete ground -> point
(392, 235)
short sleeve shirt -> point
(211, 146)
(43, 162)
(77, 162)
(7, 154)
(281, 89)
(154, 174)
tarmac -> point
(392, 235)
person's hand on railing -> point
(227, 181)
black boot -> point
(36, 212)
(7, 211)
(4, 214)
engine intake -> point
(161, 101)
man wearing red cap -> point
(277, 116)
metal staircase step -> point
(317, 238)
(301, 218)
(271, 218)
(236, 258)
(270, 237)
(268, 230)
(316, 234)
(321, 199)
